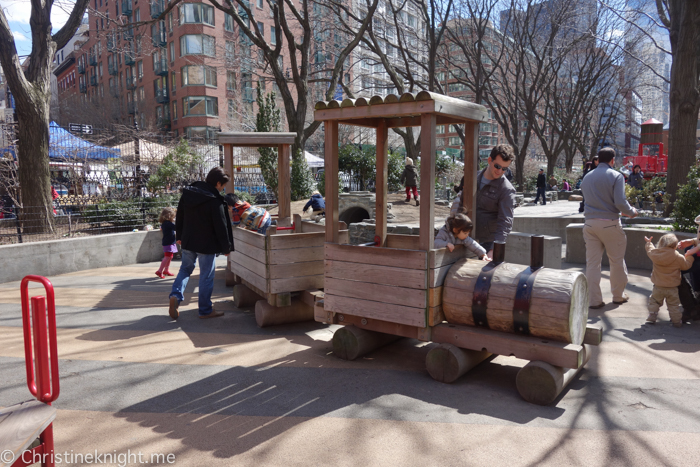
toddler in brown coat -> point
(666, 276)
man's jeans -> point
(207, 266)
(540, 191)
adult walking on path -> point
(604, 194)
(541, 187)
(495, 199)
(203, 228)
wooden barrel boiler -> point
(530, 300)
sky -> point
(17, 13)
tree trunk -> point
(519, 168)
(684, 97)
(36, 213)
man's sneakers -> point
(174, 305)
(625, 298)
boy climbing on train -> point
(456, 232)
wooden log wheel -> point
(287, 261)
(399, 285)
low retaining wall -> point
(552, 226)
(635, 253)
(77, 254)
(517, 246)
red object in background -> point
(39, 325)
(650, 156)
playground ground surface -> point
(225, 392)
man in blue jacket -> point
(541, 185)
(604, 195)
(203, 228)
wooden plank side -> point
(471, 167)
(375, 310)
(402, 242)
(296, 240)
(250, 237)
(295, 284)
(384, 275)
(309, 268)
(437, 276)
(250, 276)
(20, 425)
(377, 256)
(381, 293)
(594, 334)
(427, 181)
(249, 263)
(443, 256)
(331, 175)
(435, 296)
(258, 254)
(296, 255)
(527, 348)
(386, 327)
(435, 315)
(381, 182)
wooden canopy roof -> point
(400, 111)
(256, 139)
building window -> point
(200, 105)
(273, 35)
(198, 75)
(173, 82)
(139, 67)
(197, 44)
(231, 81)
(201, 132)
(196, 13)
(171, 49)
(261, 27)
(259, 3)
(228, 23)
(231, 109)
(174, 110)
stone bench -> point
(635, 254)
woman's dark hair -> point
(217, 175)
(232, 199)
(640, 167)
(460, 222)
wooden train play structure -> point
(280, 272)
(400, 286)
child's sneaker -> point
(160, 274)
(168, 273)
(651, 319)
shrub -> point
(181, 163)
(303, 182)
(687, 205)
(268, 119)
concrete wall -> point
(553, 226)
(635, 254)
(77, 254)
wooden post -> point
(541, 383)
(228, 167)
(244, 297)
(331, 174)
(381, 182)
(268, 315)
(350, 342)
(427, 181)
(471, 168)
(284, 189)
(447, 362)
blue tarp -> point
(65, 146)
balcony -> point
(158, 36)
(81, 67)
(157, 7)
(131, 108)
(128, 33)
(111, 43)
(164, 124)
(160, 67)
(127, 8)
(130, 83)
(92, 60)
(93, 80)
(114, 91)
(162, 96)
(248, 95)
(129, 58)
(83, 88)
(112, 68)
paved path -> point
(223, 392)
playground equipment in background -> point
(281, 272)
(650, 157)
(400, 286)
(23, 423)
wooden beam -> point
(381, 182)
(399, 109)
(20, 425)
(256, 139)
(427, 181)
(228, 167)
(284, 189)
(372, 257)
(331, 175)
(471, 167)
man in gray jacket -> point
(495, 199)
(604, 194)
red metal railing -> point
(39, 324)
